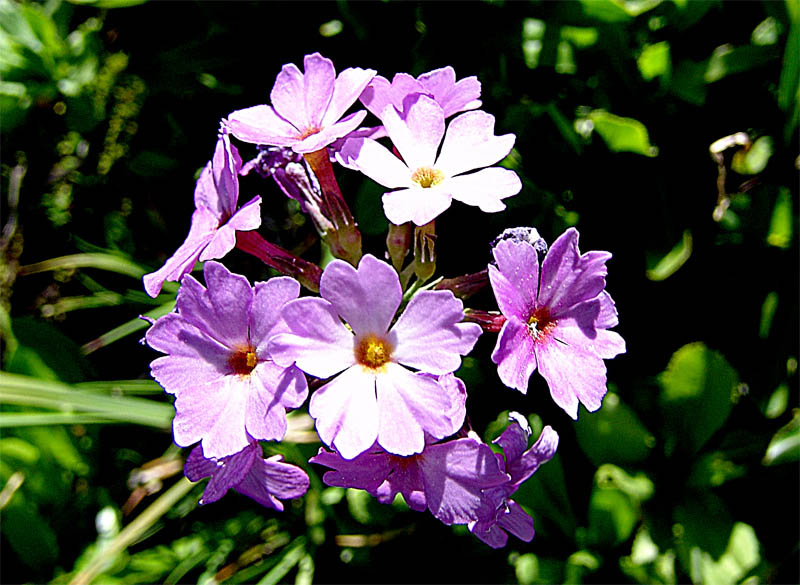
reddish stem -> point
(307, 273)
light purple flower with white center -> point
(215, 220)
(267, 481)
(427, 182)
(228, 390)
(307, 108)
(519, 463)
(447, 478)
(440, 84)
(557, 320)
(375, 396)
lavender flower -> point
(375, 396)
(447, 478)
(227, 387)
(426, 183)
(519, 464)
(557, 320)
(215, 220)
(247, 472)
(439, 84)
(307, 108)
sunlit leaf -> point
(740, 557)
(697, 387)
(780, 226)
(673, 260)
(754, 160)
(622, 134)
(654, 61)
(785, 444)
(614, 434)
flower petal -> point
(375, 161)
(270, 297)
(429, 335)
(485, 189)
(318, 82)
(367, 298)
(348, 87)
(288, 97)
(514, 355)
(319, 343)
(470, 144)
(416, 204)
(346, 412)
(262, 125)
(366, 472)
(453, 96)
(418, 132)
(329, 134)
(270, 479)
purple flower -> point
(426, 183)
(446, 478)
(519, 464)
(439, 84)
(227, 387)
(307, 108)
(267, 481)
(375, 396)
(215, 220)
(557, 320)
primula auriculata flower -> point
(375, 396)
(307, 108)
(227, 388)
(439, 84)
(427, 182)
(215, 220)
(267, 481)
(557, 320)
(447, 478)
(519, 463)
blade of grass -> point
(108, 262)
(127, 328)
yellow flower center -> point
(243, 360)
(373, 352)
(427, 177)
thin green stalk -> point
(132, 532)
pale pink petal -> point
(288, 97)
(366, 298)
(375, 161)
(346, 412)
(409, 406)
(205, 192)
(514, 355)
(453, 97)
(224, 239)
(225, 166)
(380, 93)
(485, 189)
(510, 300)
(272, 389)
(319, 80)
(349, 86)
(248, 216)
(262, 125)
(204, 225)
(417, 133)
(270, 297)
(470, 144)
(329, 134)
(429, 335)
(416, 204)
(319, 343)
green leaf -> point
(714, 469)
(612, 517)
(780, 226)
(45, 352)
(785, 444)
(697, 387)
(739, 558)
(29, 534)
(614, 434)
(654, 61)
(753, 160)
(768, 308)
(622, 134)
(673, 260)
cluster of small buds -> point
(383, 344)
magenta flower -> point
(447, 478)
(439, 84)
(307, 108)
(215, 220)
(426, 183)
(375, 396)
(519, 463)
(557, 320)
(227, 388)
(267, 481)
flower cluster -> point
(381, 344)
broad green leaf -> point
(614, 434)
(780, 226)
(622, 134)
(612, 517)
(696, 394)
(654, 61)
(45, 352)
(28, 533)
(785, 444)
(740, 557)
(714, 469)
(673, 260)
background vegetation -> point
(689, 473)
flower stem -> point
(490, 321)
(344, 239)
(307, 273)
